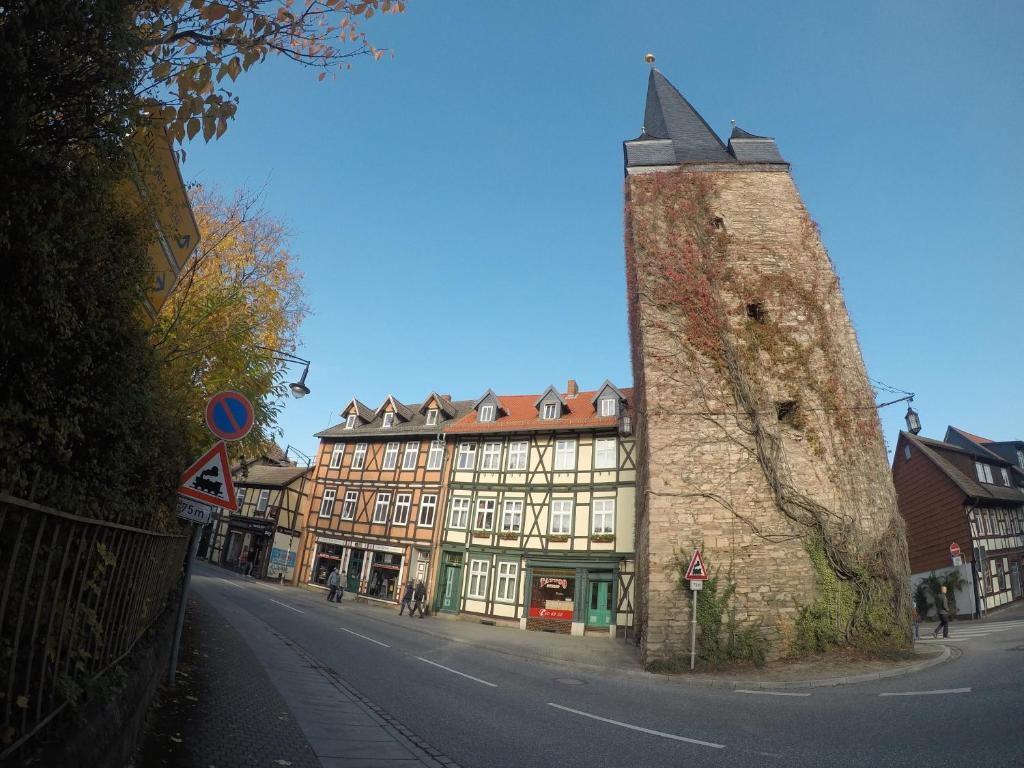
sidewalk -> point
(244, 697)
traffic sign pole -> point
(192, 547)
(693, 628)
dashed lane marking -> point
(285, 605)
(650, 731)
(236, 586)
(771, 693)
(378, 642)
(927, 693)
(456, 672)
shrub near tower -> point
(756, 422)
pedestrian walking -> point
(406, 599)
(341, 589)
(420, 597)
(942, 606)
(915, 618)
(243, 562)
(332, 584)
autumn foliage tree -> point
(195, 49)
(239, 298)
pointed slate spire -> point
(668, 116)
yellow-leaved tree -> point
(239, 298)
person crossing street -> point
(406, 599)
(420, 596)
(942, 607)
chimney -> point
(572, 389)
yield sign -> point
(209, 479)
(696, 571)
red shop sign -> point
(549, 613)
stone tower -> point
(758, 432)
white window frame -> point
(240, 497)
(549, 411)
(477, 585)
(486, 507)
(431, 416)
(1006, 476)
(601, 447)
(521, 450)
(458, 517)
(565, 460)
(390, 456)
(506, 581)
(608, 406)
(466, 459)
(403, 506)
(380, 510)
(263, 500)
(486, 413)
(350, 421)
(359, 456)
(564, 511)
(327, 502)
(348, 508)
(435, 457)
(337, 453)
(411, 450)
(490, 457)
(389, 420)
(428, 509)
(605, 510)
(512, 516)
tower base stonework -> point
(759, 440)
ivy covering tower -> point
(758, 433)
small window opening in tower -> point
(787, 410)
(757, 312)
(718, 223)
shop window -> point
(505, 586)
(552, 596)
(478, 579)
(327, 558)
(384, 572)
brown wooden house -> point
(377, 502)
(958, 491)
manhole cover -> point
(569, 681)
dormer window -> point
(350, 422)
(389, 419)
(486, 413)
(1020, 458)
(1006, 476)
(549, 411)
(432, 417)
(984, 472)
(607, 406)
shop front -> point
(371, 570)
(249, 544)
(571, 600)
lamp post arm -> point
(908, 399)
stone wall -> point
(719, 467)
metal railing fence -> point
(76, 595)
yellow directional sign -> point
(175, 233)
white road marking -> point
(928, 693)
(285, 605)
(662, 734)
(378, 642)
(227, 582)
(771, 693)
(456, 672)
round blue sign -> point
(229, 415)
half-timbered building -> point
(539, 519)
(377, 495)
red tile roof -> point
(973, 438)
(522, 415)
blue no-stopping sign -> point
(229, 415)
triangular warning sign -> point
(696, 571)
(209, 479)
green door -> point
(599, 609)
(355, 568)
(452, 585)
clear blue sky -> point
(458, 210)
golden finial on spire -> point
(649, 58)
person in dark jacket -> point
(421, 597)
(332, 584)
(406, 599)
(942, 606)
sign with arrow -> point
(209, 479)
(696, 571)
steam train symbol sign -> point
(209, 479)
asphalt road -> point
(490, 710)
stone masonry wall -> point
(702, 479)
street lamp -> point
(289, 447)
(913, 420)
(298, 388)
